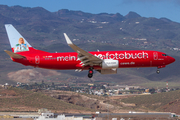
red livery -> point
(105, 62)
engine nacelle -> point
(109, 63)
(108, 71)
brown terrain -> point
(98, 103)
(14, 99)
(30, 75)
(173, 107)
(114, 104)
(38, 75)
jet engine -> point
(108, 71)
(109, 63)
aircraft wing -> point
(14, 55)
(85, 57)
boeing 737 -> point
(105, 62)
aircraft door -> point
(155, 56)
(37, 59)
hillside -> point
(15, 99)
(164, 102)
(44, 30)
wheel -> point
(90, 75)
(158, 71)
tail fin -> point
(17, 41)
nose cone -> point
(171, 59)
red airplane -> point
(105, 62)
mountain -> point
(44, 30)
(132, 15)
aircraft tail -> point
(17, 41)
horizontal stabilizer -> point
(14, 55)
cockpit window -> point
(164, 55)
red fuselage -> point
(69, 60)
(105, 62)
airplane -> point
(105, 62)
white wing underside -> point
(85, 57)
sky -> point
(146, 8)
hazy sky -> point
(146, 8)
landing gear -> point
(158, 67)
(90, 74)
(158, 71)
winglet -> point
(14, 55)
(67, 39)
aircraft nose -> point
(171, 59)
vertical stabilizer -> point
(17, 41)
